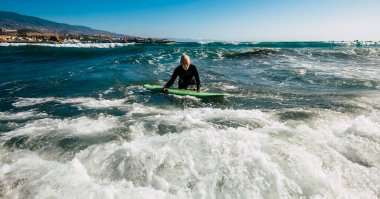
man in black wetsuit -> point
(187, 73)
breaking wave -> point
(209, 155)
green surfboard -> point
(157, 88)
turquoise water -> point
(302, 120)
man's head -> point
(185, 61)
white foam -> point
(22, 102)
(81, 102)
(136, 108)
(189, 164)
(212, 153)
(364, 100)
(366, 126)
(205, 42)
(21, 115)
(4, 169)
(185, 97)
(355, 43)
(84, 102)
(79, 126)
(108, 91)
(64, 180)
(227, 87)
(347, 67)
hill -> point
(11, 20)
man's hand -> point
(165, 90)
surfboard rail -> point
(157, 88)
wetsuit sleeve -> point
(197, 78)
(172, 79)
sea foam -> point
(211, 153)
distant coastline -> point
(30, 36)
(17, 28)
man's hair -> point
(185, 57)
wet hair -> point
(185, 57)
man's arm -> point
(197, 78)
(172, 79)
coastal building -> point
(3, 30)
(37, 36)
(5, 37)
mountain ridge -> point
(12, 20)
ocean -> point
(302, 121)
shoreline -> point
(90, 42)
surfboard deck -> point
(157, 88)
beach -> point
(302, 121)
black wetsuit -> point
(186, 77)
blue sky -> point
(233, 20)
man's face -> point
(185, 64)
